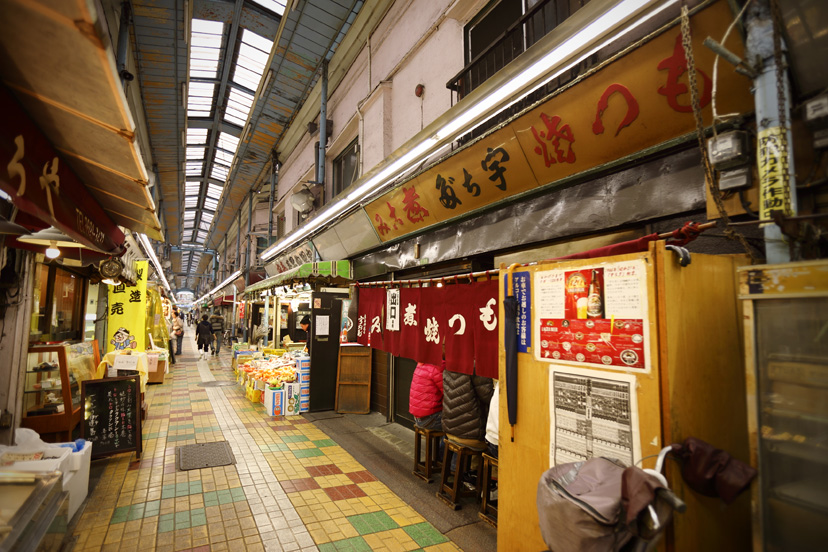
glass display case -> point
(787, 329)
(51, 390)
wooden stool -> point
(432, 463)
(488, 511)
(452, 492)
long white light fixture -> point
(552, 65)
(229, 279)
(151, 254)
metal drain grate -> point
(204, 455)
(217, 383)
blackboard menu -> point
(112, 415)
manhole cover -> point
(217, 383)
(204, 455)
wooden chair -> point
(432, 462)
(488, 511)
(452, 491)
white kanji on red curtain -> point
(460, 310)
(369, 319)
(486, 326)
(433, 323)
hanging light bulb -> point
(52, 251)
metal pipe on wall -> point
(274, 176)
(323, 124)
(247, 253)
(123, 42)
(773, 114)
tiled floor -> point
(292, 487)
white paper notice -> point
(592, 413)
(625, 290)
(323, 322)
(549, 294)
(123, 362)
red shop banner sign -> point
(42, 184)
(594, 316)
(419, 323)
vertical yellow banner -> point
(126, 327)
(774, 188)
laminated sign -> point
(127, 312)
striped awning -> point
(334, 271)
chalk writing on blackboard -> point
(112, 415)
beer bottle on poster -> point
(595, 297)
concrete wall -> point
(416, 43)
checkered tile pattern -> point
(293, 487)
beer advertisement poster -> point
(593, 316)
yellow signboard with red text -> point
(127, 314)
(639, 101)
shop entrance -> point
(403, 373)
(326, 309)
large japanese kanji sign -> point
(637, 102)
(43, 185)
(463, 317)
(127, 313)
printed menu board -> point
(112, 415)
(593, 316)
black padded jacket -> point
(466, 404)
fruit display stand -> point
(51, 391)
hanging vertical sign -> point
(127, 313)
(392, 311)
(523, 293)
(774, 188)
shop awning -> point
(334, 271)
(59, 64)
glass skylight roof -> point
(195, 153)
(192, 188)
(250, 65)
(196, 136)
(227, 141)
(205, 48)
(189, 215)
(210, 204)
(213, 191)
(205, 216)
(219, 172)
(238, 106)
(195, 168)
(200, 99)
(276, 6)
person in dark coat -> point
(204, 335)
(466, 400)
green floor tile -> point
(307, 453)
(325, 443)
(152, 508)
(120, 515)
(424, 534)
(136, 511)
(294, 438)
(198, 517)
(373, 522)
(211, 499)
(224, 497)
(166, 523)
(354, 544)
(195, 487)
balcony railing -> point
(523, 33)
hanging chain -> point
(710, 174)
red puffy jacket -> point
(426, 395)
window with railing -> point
(502, 31)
